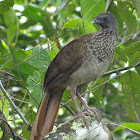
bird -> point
(81, 61)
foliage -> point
(134, 126)
(32, 33)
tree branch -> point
(76, 129)
(121, 69)
(7, 130)
(14, 106)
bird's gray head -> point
(105, 20)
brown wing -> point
(68, 60)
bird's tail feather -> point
(46, 115)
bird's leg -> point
(79, 112)
(96, 112)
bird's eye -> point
(105, 18)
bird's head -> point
(105, 20)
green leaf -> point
(61, 6)
(137, 6)
(4, 105)
(19, 56)
(72, 23)
(12, 25)
(131, 49)
(121, 54)
(25, 69)
(99, 90)
(114, 10)
(44, 3)
(53, 52)
(71, 8)
(34, 85)
(135, 58)
(98, 96)
(5, 5)
(138, 70)
(3, 53)
(84, 26)
(39, 58)
(34, 15)
(130, 87)
(134, 126)
(26, 134)
(130, 19)
(1, 133)
(11, 17)
(91, 8)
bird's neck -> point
(111, 30)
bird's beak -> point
(94, 21)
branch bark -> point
(76, 130)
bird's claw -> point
(97, 114)
(88, 112)
(83, 115)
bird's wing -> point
(68, 60)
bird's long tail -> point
(46, 115)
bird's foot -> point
(96, 113)
(83, 115)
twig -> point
(7, 128)
(129, 37)
(121, 69)
(13, 105)
(20, 100)
(14, 58)
(68, 108)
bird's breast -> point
(88, 72)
